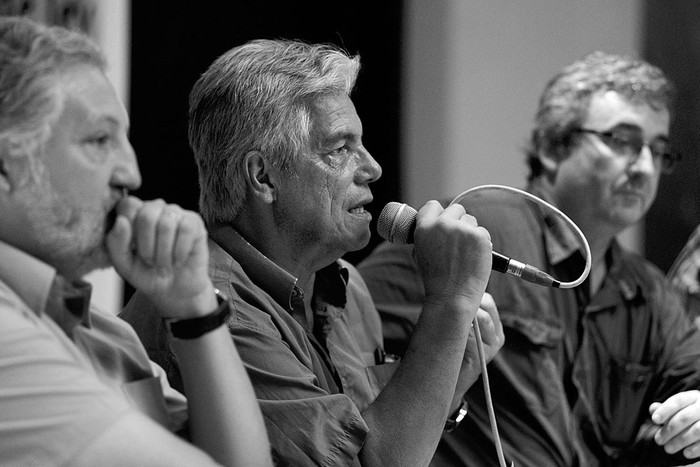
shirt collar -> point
(631, 281)
(330, 281)
(35, 282)
(562, 242)
(30, 278)
(560, 239)
(274, 280)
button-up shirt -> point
(67, 374)
(577, 373)
(313, 369)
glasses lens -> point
(669, 161)
(659, 149)
(624, 142)
(630, 143)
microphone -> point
(397, 222)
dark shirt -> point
(313, 370)
(574, 380)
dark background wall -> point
(173, 45)
(672, 42)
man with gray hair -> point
(284, 181)
(76, 385)
(606, 373)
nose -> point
(126, 171)
(644, 161)
(369, 170)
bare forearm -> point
(408, 418)
(225, 419)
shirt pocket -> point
(379, 375)
(622, 400)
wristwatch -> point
(457, 416)
(192, 328)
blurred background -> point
(447, 91)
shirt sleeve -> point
(307, 425)
(680, 352)
(51, 404)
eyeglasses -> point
(628, 142)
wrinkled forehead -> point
(332, 117)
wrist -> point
(452, 301)
(192, 328)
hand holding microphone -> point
(397, 223)
(452, 252)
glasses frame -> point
(669, 160)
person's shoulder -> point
(652, 281)
(493, 208)
(644, 269)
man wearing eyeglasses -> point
(605, 373)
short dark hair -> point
(565, 101)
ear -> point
(549, 162)
(261, 178)
(15, 170)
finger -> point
(687, 435)
(692, 451)
(144, 226)
(455, 210)
(682, 428)
(119, 245)
(429, 212)
(468, 219)
(166, 232)
(672, 405)
(488, 303)
(190, 233)
(128, 207)
(486, 326)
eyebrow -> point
(341, 135)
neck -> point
(599, 243)
(269, 240)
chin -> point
(360, 241)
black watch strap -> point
(193, 328)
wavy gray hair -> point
(32, 57)
(257, 97)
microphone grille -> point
(396, 223)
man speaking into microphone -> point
(284, 179)
(606, 373)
